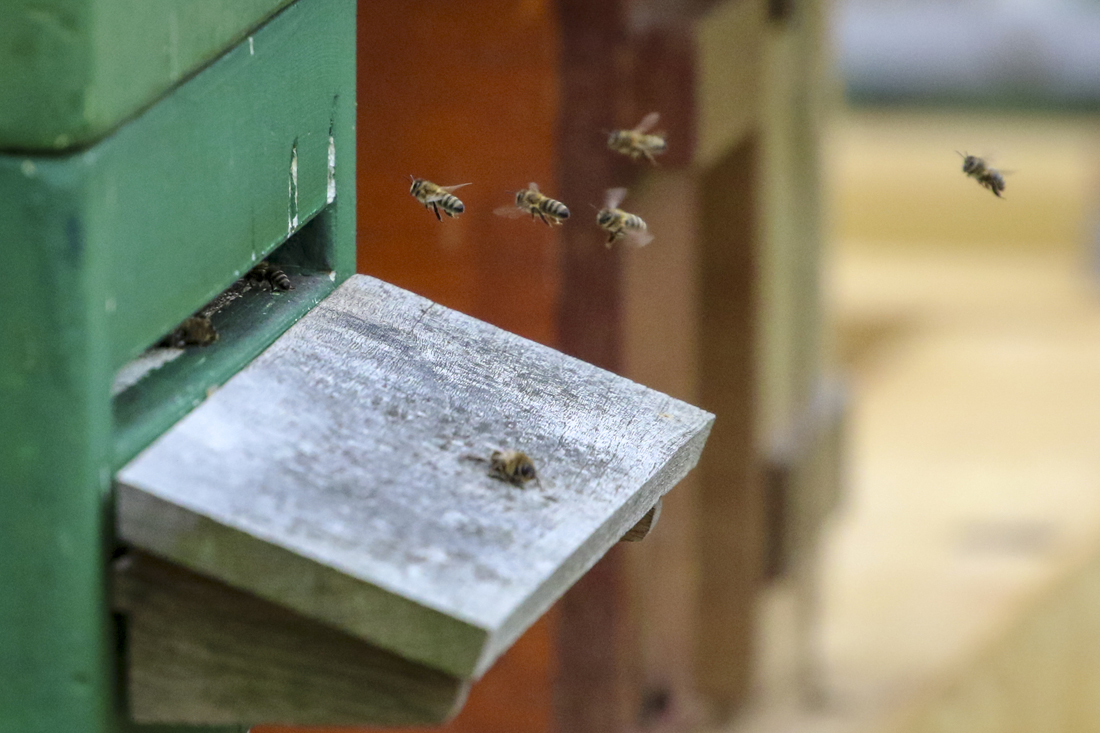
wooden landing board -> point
(332, 475)
(75, 69)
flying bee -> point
(193, 331)
(512, 466)
(437, 197)
(269, 277)
(639, 143)
(532, 201)
(619, 224)
(980, 171)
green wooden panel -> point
(188, 196)
(106, 249)
(54, 478)
(75, 69)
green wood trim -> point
(188, 196)
(104, 250)
(75, 69)
(54, 481)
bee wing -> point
(533, 186)
(648, 122)
(614, 197)
(637, 237)
(509, 212)
(448, 189)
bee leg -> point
(435, 208)
(543, 218)
(649, 157)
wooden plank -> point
(594, 691)
(265, 486)
(75, 69)
(201, 653)
(214, 161)
(661, 323)
(54, 653)
(731, 520)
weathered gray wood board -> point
(332, 476)
(202, 654)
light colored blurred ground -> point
(971, 330)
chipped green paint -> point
(104, 250)
(76, 69)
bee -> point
(193, 331)
(619, 224)
(269, 277)
(437, 197)
(512, 466)
(986, 177)
(639, 143)
(532, 201)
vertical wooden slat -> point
(661, 328)
(731, 530)
(593, 687)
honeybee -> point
(639, 143)
(532, 201)
(512, 466)
(269, 277)
(619, 224)
(437, 197)
(980, 171)
(193, 331)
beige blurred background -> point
(969, 328)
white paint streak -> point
(332, 275)
(251, 47)
(28, 167)
(331, 169)
(292, 223)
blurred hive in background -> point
(959, 581)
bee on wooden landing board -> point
(619, 224)
(532, 201)
(267, 276)
(512, 466)
(436, 197)
(639, 143)
(980, 171)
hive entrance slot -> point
(207, 347)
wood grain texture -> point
(332, 475)
(200, 653)
(75, 69)
(213, 161)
